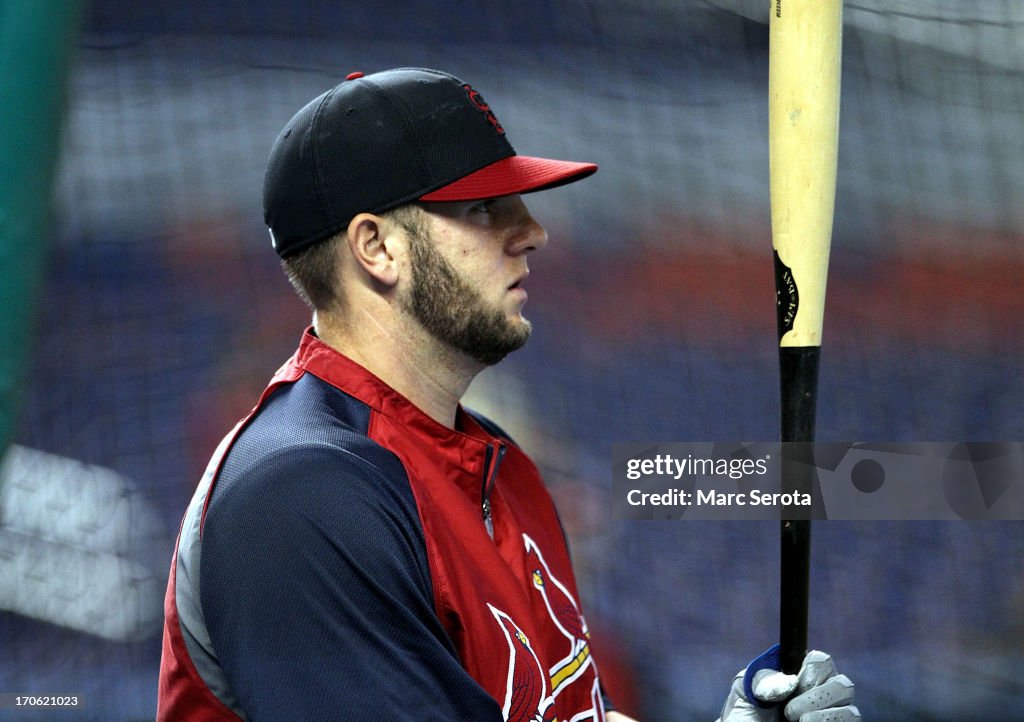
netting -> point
(165, 313)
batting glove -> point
(815, 694)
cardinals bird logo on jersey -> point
(565, 613)
(526, 694)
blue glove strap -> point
(769, 659)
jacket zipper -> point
(490, 477)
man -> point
(361, 546)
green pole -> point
(37, 42)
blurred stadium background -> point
(162, 313)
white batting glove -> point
(815, 694)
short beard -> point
(452, 311)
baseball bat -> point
(804, 58)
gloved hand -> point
(815, 694)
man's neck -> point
(433, 377)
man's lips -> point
(518, 283)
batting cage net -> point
(164, 313)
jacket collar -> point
(330, 365)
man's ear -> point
(375, 247)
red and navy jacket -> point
(346, 557)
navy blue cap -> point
(375, 142)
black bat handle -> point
(798, 367)
(795, 585)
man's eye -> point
(483, 207)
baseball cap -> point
(374, 142)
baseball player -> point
(361, 546)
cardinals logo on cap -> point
(478, 100)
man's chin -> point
(491, 353)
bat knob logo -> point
(787, 298)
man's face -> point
(468, 265)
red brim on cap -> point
(515, 174)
